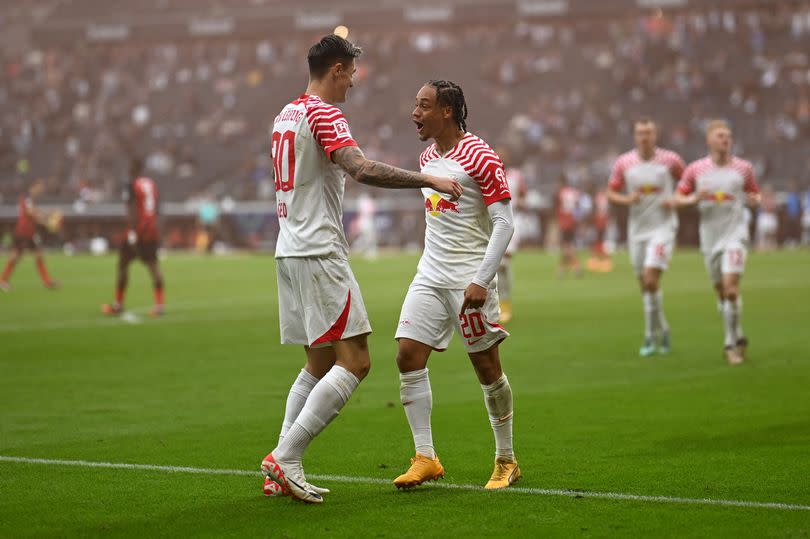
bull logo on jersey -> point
(649, 189)
(436, 205)
(718, 196)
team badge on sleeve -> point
(342, 128)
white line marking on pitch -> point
(378, 481)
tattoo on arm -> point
(352, 160)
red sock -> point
(158, 296)
(119, 296)
(7, 272)
(43, 272)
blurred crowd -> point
(556, 98)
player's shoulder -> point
(428, 155)
(743, 165)
(699, 166)
(474, 155)
(628, 158)
(667, 156)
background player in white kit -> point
(454, 287)
(644, 179)
(722, 185)
(320, 305)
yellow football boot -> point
(506, 473)
(422, 469)
(506, 311)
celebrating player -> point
(320, 305)
(141, 240)
(453, 287)
(25, 237)
(644, 179)
(722, 185)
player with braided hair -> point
(455, 288)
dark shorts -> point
(21, 243)
(568, 235)
(144, 250)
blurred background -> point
(192, 86)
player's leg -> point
(147, 251)
(343, 322)
(498, 400)
(656, 261)
(16, 254)
(638, 255)
(732, 267)
(505, 280)
(425, 324)
(125, 257)
(42, 269)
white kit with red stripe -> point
(723, 192)
(319, 298)
(309, 186)
(457, 232)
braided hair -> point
(450, 94)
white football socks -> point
(731, 321)
(327, 398)
(650, 314)
(740, 333)
(498, 398)
(662, 323)
(296, 399)
(417, 399)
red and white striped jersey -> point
(722, 204)
(457, 232)
(309, 186)
(655, 181)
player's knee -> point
(730, 292)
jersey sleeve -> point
(750, 182)
(330, 129)
(489, 173)
(687, 184)
(676, 167)
(616, 181)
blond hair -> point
(716, 124)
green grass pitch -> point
(205, 387)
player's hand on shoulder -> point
(474, 297)
(449, 186)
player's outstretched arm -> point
(366, 171)
(623, 200)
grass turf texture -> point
(205, 386)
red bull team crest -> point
(436, 205)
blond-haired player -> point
(722, 185)
(644, 179)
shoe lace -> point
(500, 472)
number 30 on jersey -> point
(284, 160)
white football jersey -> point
(457, 232)
(722, 205)
(655, 180)
(309, 186)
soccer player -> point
(320, 305)
(644, 179)
(566, 206)
(141, 241)
(454, 287)
(600, 258)
(722, 185)
(518, 191)
(25, 237)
